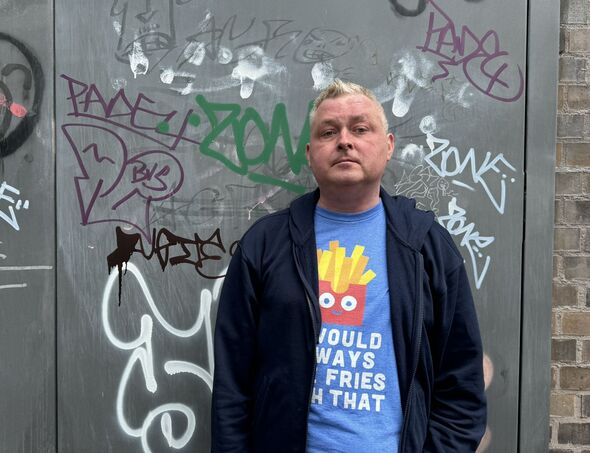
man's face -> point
(349, 145)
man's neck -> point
(349, 200)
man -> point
(346, 323)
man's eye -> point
(328, 133)
(361, 130)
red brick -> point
(563, 350)
(577, 154)
(575, 323)
(578, 97)
(567, 183)
(574, 378)
(579, 40)
(576, 267)
(572, 69)
(559, 215)
(570, 125)
(562, 405)
(566, 239)
(577, 211)
(557, 265)
(565, 295)
(561, 98)
(573, 11)
(574, 433)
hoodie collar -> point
(409, 225)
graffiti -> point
(426, 187)
(446, 161)
(233, 129)
(456, 224)
(10, 216)
(125, 185)
(250, 48)
(16, 83)
(112, 185)
(142, 27)
(172, 250)
(487, 67)
(411, 73)
(19, 270)
(420, 6)
(143, 356)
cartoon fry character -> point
(343, 284)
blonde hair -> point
(340, 88)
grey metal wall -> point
(141, 138)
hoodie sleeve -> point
(458, 407)
(235, 346)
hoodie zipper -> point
(315, 332)
(416, 352)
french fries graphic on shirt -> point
(343, 284)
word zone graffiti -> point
(116, 184)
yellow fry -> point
(338, 260)
(344, 276)
(334, 245)
(324, 264)
(367, 277)
(359, 269)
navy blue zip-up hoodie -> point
(268, 323)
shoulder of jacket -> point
(268, 224)
(440, 248)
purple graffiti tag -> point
(487, 67)
(119, 186)
(138, 116)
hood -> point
(409, 225)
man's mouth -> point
(346, 161)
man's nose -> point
(345, 140)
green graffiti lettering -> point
(228, 119)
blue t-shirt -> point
(355, 403)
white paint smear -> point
(225, 55)
(119, 83)
(195, 53)
(253, 66)
(428, 125)
(25, 268)
(412, 152)
(167, 76)
(322, 74)
(14, 285)
(138, 62)
(117, 27)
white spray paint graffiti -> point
(143, 355)
(451, 163)
(10, 217)
(322, 74)
(408, 74)
(253, 66)
(138, 62)
(456, 224)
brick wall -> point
(570, 353)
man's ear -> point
(307, 154)
(390, 145)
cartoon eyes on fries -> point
(343, 284)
